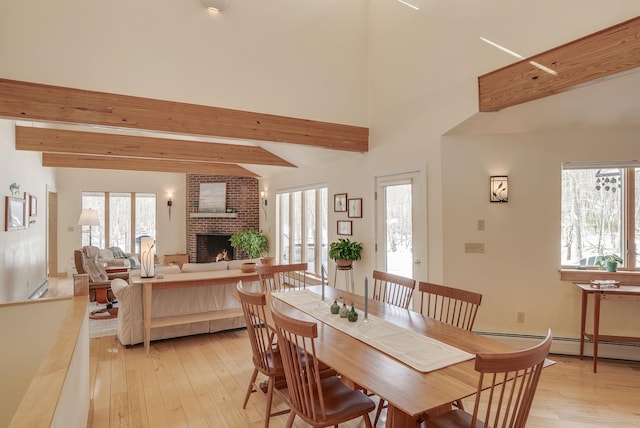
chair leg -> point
(459, 404)
(267, 416)
(381, 405)
(367, 421)
(292, 416)
(250, 388)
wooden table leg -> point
(583, 321)
(146, 309)
(396, 418)
(596, 328)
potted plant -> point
(253, 243)
(609, 261)
(345, 251)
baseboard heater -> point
(570, 345)
(40, 291)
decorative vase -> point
(266, 261)
(335, 308)
(248, 267)
(344, 311)
(342, 263)
(353, 315)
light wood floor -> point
(200, 381)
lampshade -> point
(215, 5)
(147, 257)
(88, 217)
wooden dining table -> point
(409, 392)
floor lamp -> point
(89, 217)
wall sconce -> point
(215, 5)
(263, 198)
(499, 188)
(169, 204)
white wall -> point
(423, 69)
(519, 271)
(22, 252)
(171, 237)
(295, 58)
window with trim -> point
(124, 219)
(600, 213)
(302, 228)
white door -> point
(401, 223)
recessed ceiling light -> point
(215, 5)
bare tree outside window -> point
(592, 214)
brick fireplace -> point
(243, 197)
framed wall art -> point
(14, 213)
(213, 198)
(340, 202)
(355, 208)
(344, 227)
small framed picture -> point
(355, 208)
(344, 227)
(33, 206)
(340, 202)
(14, 213)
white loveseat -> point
(178, 301)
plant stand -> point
(348, 277)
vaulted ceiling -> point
(76, 128)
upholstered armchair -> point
(86, 261)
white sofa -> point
(178, 301)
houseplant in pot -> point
(345, 251)
(253, 243)
(609, 262)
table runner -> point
(420, 352)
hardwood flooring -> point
(200, 381)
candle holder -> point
(322, 305)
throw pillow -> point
(118, 253)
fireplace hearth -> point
(213, 247)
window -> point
(600, 213)
(124, 219)
(302, 228)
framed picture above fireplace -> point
(213, 198)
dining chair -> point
(393, 289)
(266, 356)
(288, 277)
(320, 402)
(453, 306)
(506, 388)
(450, 305)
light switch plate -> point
(474, 247)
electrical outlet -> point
(471, 247)
(480, 225)
(520, 318)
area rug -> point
(102, 326)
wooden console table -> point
(187, 279)
(624, 292)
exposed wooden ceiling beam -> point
(133, 164)
(38, 102)
(94, 143)
(598, 55)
